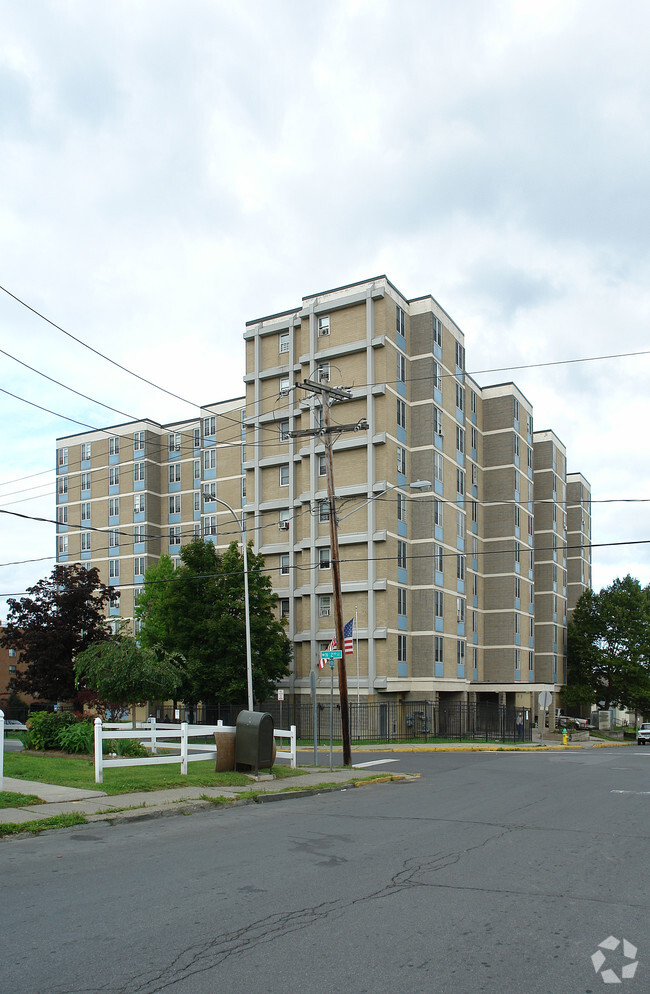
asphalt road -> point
(497, 872)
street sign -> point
(280, 694)
(332, 654)
(544, 699)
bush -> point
(129, 748)
(78, 738)
(45, 728)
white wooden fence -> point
(175, 738)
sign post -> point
(312, 687)
(544, 701)
(330, 655)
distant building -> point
(458, 593)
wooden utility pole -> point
(328, 396)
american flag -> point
(348, 642)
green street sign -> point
(332, 654)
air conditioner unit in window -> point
(440, 432)
(323, 376)
(324, 612)
(283, 526)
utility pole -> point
(328, 396)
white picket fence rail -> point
(177, 738)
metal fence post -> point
(99, 772)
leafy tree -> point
(61, 616)
(121, 672)
(608, 646)
(199, 611)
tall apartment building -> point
(458, 592)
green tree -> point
(608, 646)
(61, 616)
(198, 610)
(121, 672)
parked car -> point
(643, 734)
(13, 725)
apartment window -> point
(113, 507)
(401, 600)
(84, 481)
(138, 504)
(530, 457)
(401, 460)
(460, 439)
(85, 511)
(517, 516)
(474, 438)
(399, 321)
(284, 607)
(460, 610)
(474, 585)
(474, 512)
(209, 491)
(283, 519)
(401, 554)
(62, 545)
(139, 565)
(324, 558)
(138, 440)
(460, 481)
(323, 372)
(209, 426)
(62, 514)
(284, 341)
(210, 524)
(437, 467)
(460, 356)
(85, 450)
(401, 507)
(197, 500)
(474, 475)
(517, 587)
(436, 376)
(474, 546)
(175, 473)
(196, 530)
(437, 558)
(197, 438)
(175, 504)
(210, 459)
(517, 552)
(401, 648)
(401, 413)
(472, 401)
(517, 624)
(437, 421)
(62, 485)
(138, 534)
(460, 653)
(114, 599)
(460, 567)
(175, 441)
(515, 408)
(437, 512)
(197, 469)
(531, 594)
(516, 480)
(175, 535)
(113, 538)
(324, 606)
(531, 662)
(284, 564)
(284, 475)
(531, 627)
(460, 397)
(323, 511)
(401, 368)
(324, 324)
(85, 541)
(322, 466)
(284, 386)
(138, 472)
(114, 568)
(460, 525)
(438, 649)
(114, 446)
(114, 476)
(438, 603)
(284, 430)
(516, 437)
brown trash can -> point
(225, 740)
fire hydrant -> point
(564, 737)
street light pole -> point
(247, 607)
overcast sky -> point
(170, 170)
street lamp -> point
(247, 607)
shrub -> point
(45, 728)
(129, 748)
(78, 738)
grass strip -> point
(10, 800)
(43, 824)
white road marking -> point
(373, 762)
(644, 793)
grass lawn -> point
(43, 824)
(11, 800)
(72, 771)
